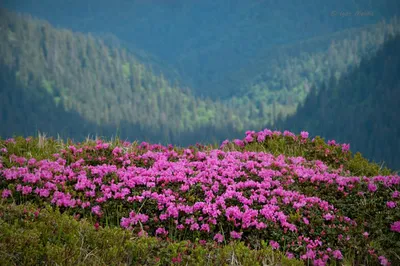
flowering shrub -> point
(272, 189)
(45, 237)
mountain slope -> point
(361, 108)
(208, 41)
(282, 76)
(106, 86)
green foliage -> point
(126, 70)
(32, 236)
(47, 86)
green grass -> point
(46, 237)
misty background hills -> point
(183, 72)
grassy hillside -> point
(271, 197)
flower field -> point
(313, 202)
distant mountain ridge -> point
(208, 41)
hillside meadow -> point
(271, 198)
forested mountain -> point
(105, 86)
(362, 107)
(74, 84)
(108, 85)
(208, 41)
(283, 76)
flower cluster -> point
(212, 194)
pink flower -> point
(372, 187)
(345, 147)
(319, 262)
(11, 140)
(304, 134)
(366, 234)
(116, 151)
(310, 254)
(161, 231)
(26, 190)
(329, 217)
(383, 261)
(125, 222)
(6, 193)
(274, 244)
(261, 137)
(224, 143)
(289, 255)
(249, 136)
(194, 227)
(184, 188)
(337, 254)
(180, 227)
(236, 235)
(202, 242)
(142, 233)
(396, 194)
(371, 252)
(395, 227)
(239, 142)
(331, 142)
(126, 144)
(391, 204)
(205, 227)
(96, 210)
(177, 259)
(219, 238)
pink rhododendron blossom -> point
(6, 193)
(395, 227)
(391, 204)
(274, 244)
(142, 233)
(337, 254)
(248, 138)
(329, 217)
(236, 235)
(224, 143)
(239, 142)
(289, 255)
(372, 187)
(304, 134)
(383, 261)
(345, 147)
(396, 194)
(161, 231)
(319, 262)
(96, 210)
(219, 238)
